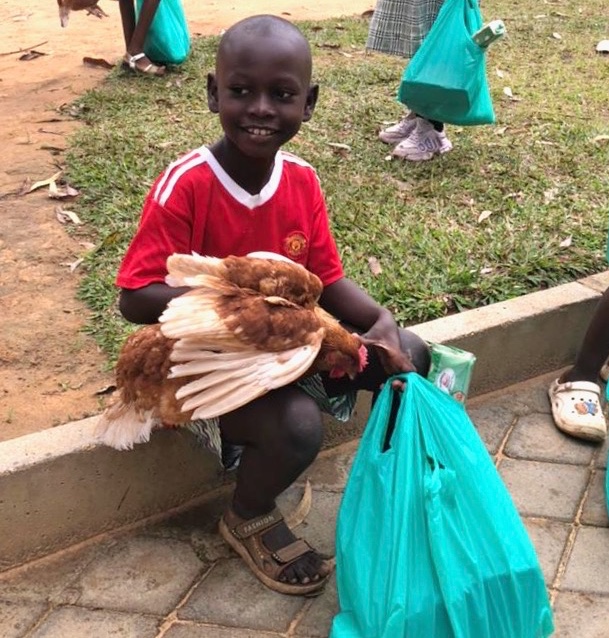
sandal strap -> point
(292, 552)
(257, 525)
(132, 59)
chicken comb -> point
(363, 357)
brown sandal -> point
(244, 536)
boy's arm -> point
(349, 303)
(145, 305)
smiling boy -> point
(244, 194)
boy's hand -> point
(385, 338)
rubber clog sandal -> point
(576, 409)
(245, 537)
(130, 64)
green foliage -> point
(539, 171)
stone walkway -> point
(176, 579)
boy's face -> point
(262, 93)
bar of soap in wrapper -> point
(451, 370)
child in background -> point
(576, 395)
(244, 194)
(135, 33)
(398, 27)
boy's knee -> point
(301, 427)
(417, 349)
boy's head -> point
(262, 85)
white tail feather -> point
(126, 429)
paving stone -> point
(140, 574)
(317, 620)
(76, 622)
(536, 438)
(549, 539)
(231, 596)
(546, 490)
(192, 630)
(331, 470)
(581, 616)
(492, 423)
(527, 397)
(319, 528)
(588, 566)
(49, 579)
(595, 506)
(601, 455)
(17, 618)
(201, 518)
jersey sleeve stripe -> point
(168, 180)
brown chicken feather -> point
(230, 339)
(65, 6)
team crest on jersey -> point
(295, 245)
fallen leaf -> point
(25, 186)
(43, 182)
(375, 266)
(347, 55)
(388, 158)
(601, 138)
(107, 390)
(368, 14)
(540, 16)
(500, 130)
(337, 145)
(557, 36)
(486, 271)
(31, 55)
(87, 245)
(549, 195)
(507, 91)
(56, 192)
(99, 63)
(328, 45)
(565, 243)
(64, 216)
(75, 264)
(485, 214)
(500, 73)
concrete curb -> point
(57, 487)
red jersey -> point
(195, 206)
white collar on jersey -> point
(240, 194)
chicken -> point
(247, 326)
(65, 6)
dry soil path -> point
(49, 370)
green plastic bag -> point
(429, 543)
(168, 39)
(446, 78)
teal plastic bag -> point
(446, 78)
(168, 39)
(429, 543)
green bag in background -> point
(428, 541)
(446, 78)
(168, 40)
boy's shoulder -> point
(297, 164)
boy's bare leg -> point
(594, 348)
(127, 9)
(282, 433)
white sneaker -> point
(423, 143)
(400, 131)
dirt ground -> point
(50, 371)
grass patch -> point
(538, 170)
